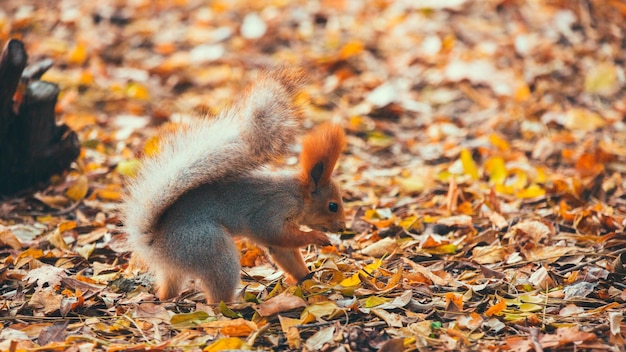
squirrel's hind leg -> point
(218, 268)
(168, 284)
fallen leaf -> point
(46, 276)
(281, 303)
(236, 327)
(227, 343)
(320, 338)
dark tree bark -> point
(32, 146)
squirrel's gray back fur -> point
(251, 133)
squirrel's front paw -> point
(320, 238)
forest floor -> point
(484, 178)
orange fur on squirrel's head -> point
(320, 150)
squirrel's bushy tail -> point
(251, 133)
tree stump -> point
(32, 146)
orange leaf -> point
(564, 211)
(587, 165)
(351, 49)
(430, 242)
(522, 92)
(455, 299)
(496, 309)
(248, 259)
(234, 328)
(79, 188)
(111, 192)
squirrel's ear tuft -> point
(320, 150)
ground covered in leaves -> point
(484, 177)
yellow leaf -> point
(601, 79)
(497, 170)
(532, 191)
(447, 248)
(412, 223)
(373, 301)
(505, 189)
(78, 190)
(584, 120)
(351, 281)
(530, 307)
(499, 142)
(379, 139)
(47, 218)
(137, 91)
(519, 178)
(228, 343)
(541, 175)
(78, 54)
(128, 167)
(370, 268)
(469, 166)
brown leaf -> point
(46, 276)
(565, 336)
(54, 333)
(45, 301)
(393, 345)
(281, 303)
(7, 238)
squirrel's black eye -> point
(334, 207)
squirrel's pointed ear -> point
(316, 173)
(320, 150)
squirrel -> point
(209, 184)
